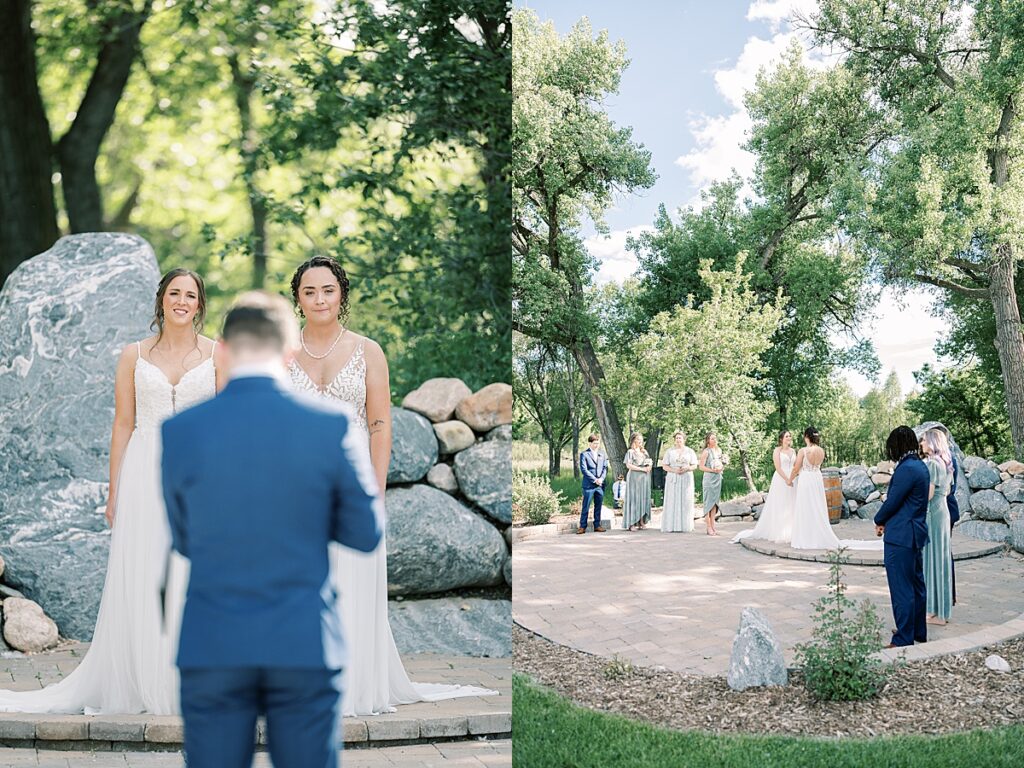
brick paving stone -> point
(675, 601)
(118, 727)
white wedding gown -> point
(129, 667)
(375, 680)
(776, 521)
(811, 528)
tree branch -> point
(963, 290)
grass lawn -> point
(551, 732)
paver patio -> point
(674, 600)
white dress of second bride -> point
(375, 680)
(776, 521)
(811, 527)
(129, 667)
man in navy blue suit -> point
(902, 520)
(257, 483)
(594, 468)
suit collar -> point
(253, 384)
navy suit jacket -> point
(951, 502)
(593, 467)
(257, 483)
(905, 510)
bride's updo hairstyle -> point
(812, 434)
(158, 310)
(336, 270)
(901, 441)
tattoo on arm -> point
(376, 426)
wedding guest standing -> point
(712, 465)
(619, 490)
(679, 463)
(637, 504)
(902, 523)
(937, 556)
(594, 469)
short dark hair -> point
(593, 437)
(901, 441)
(260, 319)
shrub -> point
(837, 663)
(533, 501)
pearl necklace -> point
(302, 338)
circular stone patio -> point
(674, 600)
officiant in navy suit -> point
(594, 468)
(902, 521)
(257, 483)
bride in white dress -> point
(129, 667)
(811, 527)
(776, 521)
(337, 363)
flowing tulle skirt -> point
(811, 528)
(776, 521)
(129, 665)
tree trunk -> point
(1003, 294)
(80, 146)
(604, 410)
(28, 214)
(244, 83)
(554, 460)
(1009, 343)
(747, 474)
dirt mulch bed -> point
(941, 695)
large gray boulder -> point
(857, 485)
(65, 315)
(453, 626)
(989, 505)
(756, 657)
(484, 472)
(983, 478)
(1017, 535)
(436, 543)
(971, 463)
(413, 447)
(1013, 490)
(869, 510)
(979, 529)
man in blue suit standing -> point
(902, 520)
(257, 482)
(594, 468)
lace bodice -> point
(787, 460)
(808, 465)
(349, 385)
(156, 399)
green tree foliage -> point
(549, 389)
(969, 402)
(251, 135)
(940, 200)
(697, 364)
(569, 159)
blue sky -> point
(690, 63)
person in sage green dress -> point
(712, 465)
(636, 511)
(938, 571)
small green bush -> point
(533, 501)
(837, 663)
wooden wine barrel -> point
(833, 495)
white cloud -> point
(904, 334)
(719, 138)
(775, 12)
(617, 264)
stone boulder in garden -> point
(989, 505)
(65, 316)
(437, 398)
(26, 627)
(413, 447)
(756, 658)
(484, 472)
(488, 408)
(857, 485)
